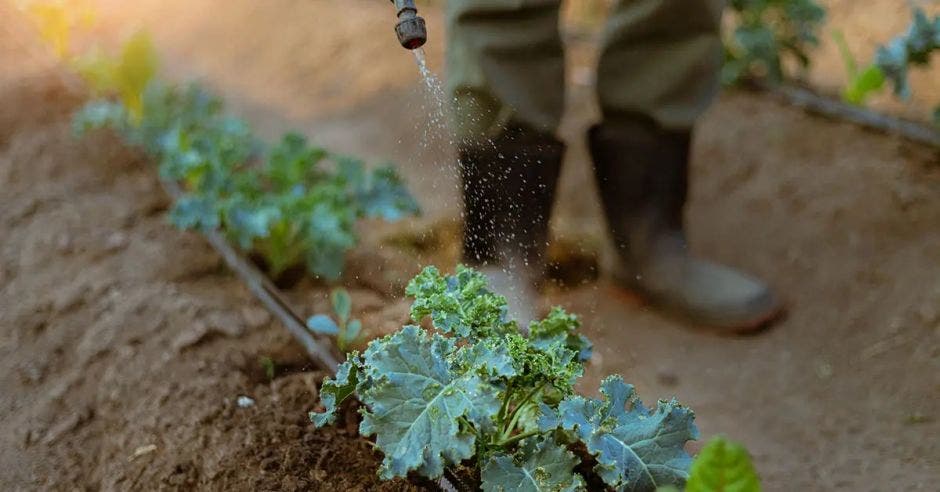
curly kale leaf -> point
(334, 391)
(636, 449)
(541, 466)
(419, 409)
(722, 466)
(559, 327)
(459, 304)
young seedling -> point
(477, 391)
(347, 331)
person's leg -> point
(505, 68)
(661, 60)
(658, 72)
(505, 64)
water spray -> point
(411, 30)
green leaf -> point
(559, 327)
(416, 403)
(386, 197)
(342, 304)
(459, 304)
(491, 358)
(542, 466)
(353, 330)
(870, 80)
(636, 449)
(334, 391)
(322, 324)
(195, 212)
(723, 466)
(136, 68)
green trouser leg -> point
(504, 63)
(661, 61)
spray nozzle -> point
(411, 31)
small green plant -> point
(894, 60)
(723, 466)
(479, 392)
(347, 331)
(768, 33)
(293, 203)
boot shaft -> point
(508, 188)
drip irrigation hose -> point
(812, 102)
(269, 295)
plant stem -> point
(512, 417)
(517, 438)
(513, 421)
(470, 426)
(505, 405)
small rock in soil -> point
(245, 402)
(144, 450)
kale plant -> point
(475, 390)
(767, 32)
(292, 203)
(894, 59)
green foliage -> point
(767, 33)
(909, 49)
(292, 203)
(723, 466)
(347, 331)
(894, 60)
(476, 388)
(636, 449)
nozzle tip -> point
(412, 33)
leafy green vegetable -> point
(544, 466)
(766, 33)
(479, 389)
(723, 466)
(421, 411)
(292, 203)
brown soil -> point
(124, 343)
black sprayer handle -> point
(411, 30)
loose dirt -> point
(125, 344)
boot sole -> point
(747, 327)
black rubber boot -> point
(508, 188)
(642, 174)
